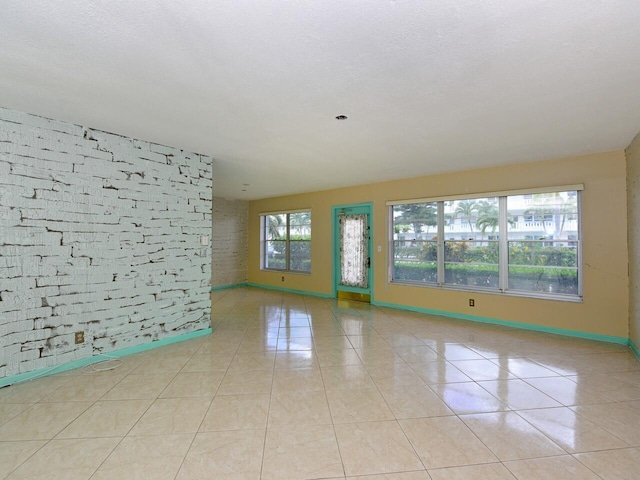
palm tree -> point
(273, 227)
(466, 209)
(487, 217)
(564, 211)
(301, 221)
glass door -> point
(352, 246)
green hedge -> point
(478, 275)
(297, 265)
(300, 255)
(547, 279)
(414, 269)
(520, 253)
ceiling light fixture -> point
(341, 117)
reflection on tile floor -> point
(296, 387)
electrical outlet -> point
(79, 337)
(283, 279)
(472, 302)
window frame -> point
(264, 241)
(503, 243)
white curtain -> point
(354, 254)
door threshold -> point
(357, 297)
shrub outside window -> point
(286, 241)
(522, 244)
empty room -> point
(320, 240)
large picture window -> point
(524, 244)
(286, 241)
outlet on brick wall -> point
(99, 227)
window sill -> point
(493, 291)
(288, 272)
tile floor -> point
(296, 387)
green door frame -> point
(356, 208)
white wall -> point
(99, 233)
(229, 241)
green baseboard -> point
(505, 323)
(227, 287)
(43, 372)
(634, 349)
(290, 290)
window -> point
(414, 242)
(522, 244)
(472, 258)
(286, 241)
(545, 261)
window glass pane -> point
(543, 215)
(416, 263)
(542, 253)
(471, 246)
(275, 255)
(543, 242)
(300, 224)
(473, 263)
(471, 219)
(415, 221)
(544, 280)
(414, 242)
(300, 259)
(276, 227)
(300, 241)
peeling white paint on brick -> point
(98, 233)
(229, 242)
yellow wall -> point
(633, 202)
(605, 307)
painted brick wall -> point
(229, 241)
(98, 233)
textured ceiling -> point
(428, 86)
